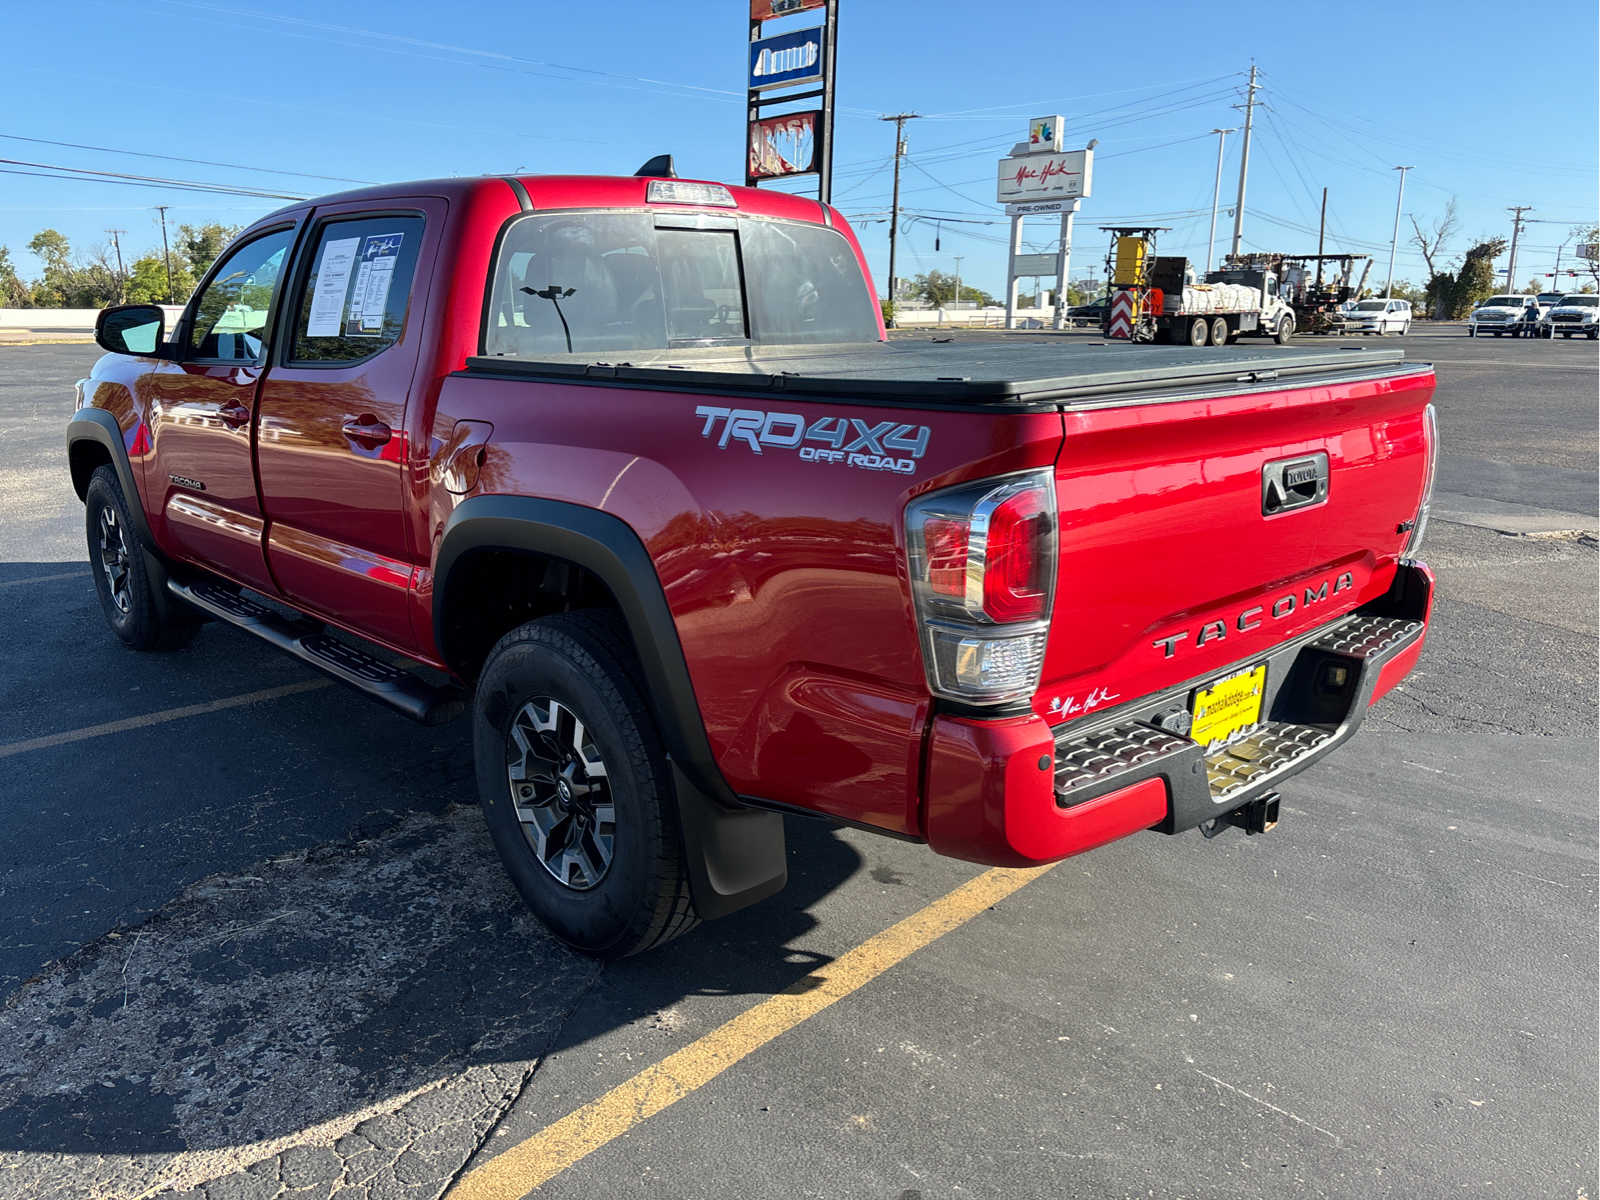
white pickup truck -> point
(1572, 315)
(1501, 315)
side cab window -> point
(232, 315)
(352, 300)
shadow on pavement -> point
(360, 1011)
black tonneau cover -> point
(1015, 370)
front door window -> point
(231, 313)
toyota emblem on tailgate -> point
(1292, 483)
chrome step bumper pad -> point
(1307, 719)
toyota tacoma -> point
(624, 472)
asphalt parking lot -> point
(254, 941)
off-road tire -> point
(581, 661)
(131, 607)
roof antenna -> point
(660, 166)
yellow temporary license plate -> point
(1228, 705)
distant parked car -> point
(1546, 301)
(1573, 315)
(1500, 315)
(1088, 314)
(1368, 317)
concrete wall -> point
(906, 318)
(65, 320)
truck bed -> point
(1023, 371)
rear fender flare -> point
(736, 854)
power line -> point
(158, 186)
(226, 189)
(201, 162)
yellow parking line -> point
(160, 718)
(516, 1171)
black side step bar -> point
(306, 640)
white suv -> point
(1378, 317)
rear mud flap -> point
(735, 856)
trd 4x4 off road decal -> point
(870, 445)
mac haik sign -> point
(1061, 175)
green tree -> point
(1437, 293)
(147, 280)
(934, 287)
(1474, 281)
(1404, 290)
(53, 250)
(199, 246)
(13, 292)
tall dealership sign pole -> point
(794, 141)
(1038, 176)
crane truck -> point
(1154, 297)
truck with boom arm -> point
(1159, 298)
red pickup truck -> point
(624, 469)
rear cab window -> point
(589, 283)
(352, 300)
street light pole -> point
(1394, 242)
(958, 258)
(1216, 196)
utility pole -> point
(899, 120)
(1394, 242)
(1244, 157)
(959, 257)
(1555, 277)
(117, 246)
(166, 255)
(1516, 229)
(1216, 196)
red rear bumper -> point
(1014, 792)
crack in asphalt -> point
(350, 1020)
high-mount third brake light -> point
(676, 191)
(983, 562)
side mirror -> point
(130, 329)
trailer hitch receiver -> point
(1258, 816)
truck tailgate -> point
(1176, 562)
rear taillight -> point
(983, 563)
(1430, 435)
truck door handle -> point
(234, 415)
(367, 430)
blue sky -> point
(1491, 110)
